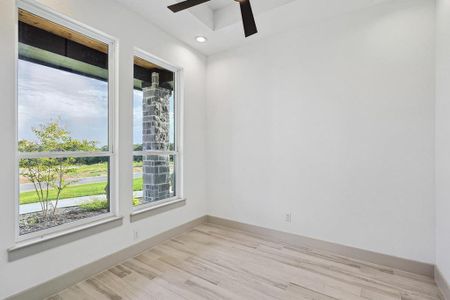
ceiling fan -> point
(246, 12)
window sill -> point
(156, 208)
(37, 245)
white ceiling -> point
(218, 4)
(220, 20)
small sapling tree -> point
(48, 174)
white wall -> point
(131, 30)
(443, 138)
(334, 123)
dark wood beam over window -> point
(44, 42)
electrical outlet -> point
(288, 218)
(135, 235)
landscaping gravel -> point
(33, 222)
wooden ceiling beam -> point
(145, 64)
(59, 30)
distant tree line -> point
(96, 160)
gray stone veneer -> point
(156, 171)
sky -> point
(46, 94)
(79, 103)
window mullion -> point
(31, 155)
(150, 152)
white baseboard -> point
(64, 281)
(301, 241)
(443, 285)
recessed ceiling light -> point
(201, 39)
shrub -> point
(94, 205)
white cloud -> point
(47, 94)
(81, 103)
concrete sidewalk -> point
(34, 207)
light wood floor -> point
(213, 262)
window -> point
(156, 156)
(65, 124)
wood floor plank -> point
(215, 262)
(408, 286)
(273, 265)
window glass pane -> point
(63, 106)
(172, 122)
(77, 104)
(154, 108)
(153, 130)
(55, 191)
(154, 178)
(62, 80)
(137, 120)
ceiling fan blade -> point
(247, 18)
(185, 5)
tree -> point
(51, 173)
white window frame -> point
(178, 119)
(42, 11)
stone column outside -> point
(156, 170)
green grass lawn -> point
(90, 189)
(94, 170)
(98, 169)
